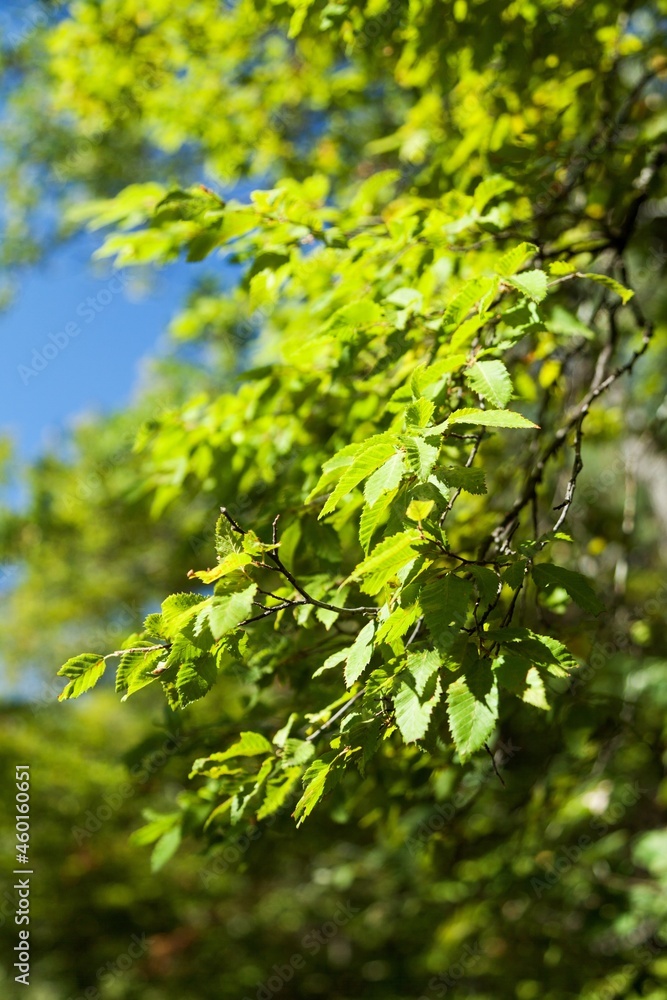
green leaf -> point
(412, 711)
(561, 267)
(340, 656)
(458, 308)
(459, 477)
(419, 413)
(84, 672)
(278, 791)
(178, 610)
(488, 189)
(165, 848)
(135, 671)
(154, 627)
(535, 693)
(511, 670)
(471, 720)
(422, 666)
(491, 380)
(227, 540)
(533, 284)
(445, 603)
(387, 558)
(566, 661)
(548, 575)
(397, 624)
(489, 418)
(359, 655)
(512, 260)
(371, 518)
(386, 478)
(297, 753)
(361, 467)
(624, 293)
(225, 613)
(248, 745)
(194, 680)
(488, 584)
(350, 317)
(566, 324)
(318, 779)
(419, 510)
(421, 457)
(229, 564)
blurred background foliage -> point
(553, 886)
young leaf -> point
(135, 671)
(178, 610)
(419, 510)
(227, 539)
(229, 564)
(491, 380)
(194, 680)
(548, 575)
(513, 259)
(471, 720)
(386, 478)
(165, 848)
(397, 624)
(489, 418)
(421, 457)
(319, 778)
(463, 478)
(84, 672)
(488, 189)
(371, 517)
(278, 790)
(413, 713)
(421, 667)
(624, 293)
(249, 744)
(359, 655)
(387, 558)
(363, 466)
(444, 603)
(533, 284)
(226, 612)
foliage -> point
(444, 284)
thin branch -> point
(599, 385)
(280, 566)
(137, 649)
(335, 716)
(495, 766)
(468, 464)
(577, 466)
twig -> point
(335, 716)
(137, 649)
(280, 566)
(495, 766)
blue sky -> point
(75, 338)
